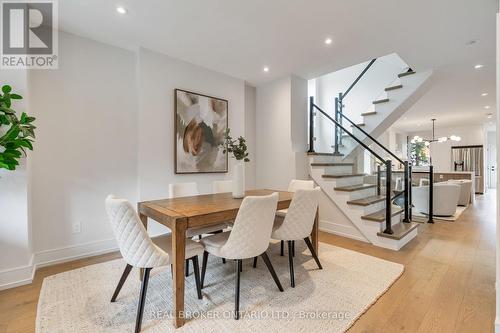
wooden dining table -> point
(180, 214)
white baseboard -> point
(73, 252)
(19, 276)
(341, 230)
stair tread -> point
(400, 230)
(323, 154)
(352, 188)
(333, 164)
(346, 175)
(379, 101)
(398, 86)
(359, 125)
(367, 201)
(405, 74)
(371, 113)
(379, 216)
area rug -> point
(328, 300)
(454, 217)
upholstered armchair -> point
(445, 199)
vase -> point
(239, 180)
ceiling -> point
(239, 38)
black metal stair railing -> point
(387, 163)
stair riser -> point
(361, 194)
(341, 182)
(395, 220)
(338, 170)
(366, 210)
(326, 159)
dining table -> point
(182, 213)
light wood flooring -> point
(448, 284)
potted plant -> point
(238, 148)
(16, 133)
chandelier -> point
(427, 142)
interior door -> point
(492, 166)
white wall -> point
(105, 123)
(497, 285)
(282, 132)
(360, 98)
(441, 152)
(159, 75)
(15, 246)
(86, 145)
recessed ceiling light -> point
(328, 41)
(489, 115)
(478, 66)
(487, 107)
(266, 69)
(121, 10)
(484, 94)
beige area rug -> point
(454, 217)
(328, 300)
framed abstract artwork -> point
(200, 124)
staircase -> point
(360, 201)
(355, 194)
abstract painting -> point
(200, 124)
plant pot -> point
(239, 180)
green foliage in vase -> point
(237, 147)
(16, 133)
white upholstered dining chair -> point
(297, 224)
(295, 184)
(222, 186)
(141, 251)
(187, 190)
(248, 238)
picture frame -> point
(200, 123)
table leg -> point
(144, 220)
(314, 233)
(178, 258)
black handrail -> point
(372, 138)
(357, 79)
(350, 134)
(339, 106)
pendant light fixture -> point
(427, 142)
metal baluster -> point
(406, 194)
(431, 194)
(311, 124)
(388, 217)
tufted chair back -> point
(252, 227)
(135, 245)
(299, 219)
(183, 190)
(296, 184)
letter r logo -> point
(27, 27)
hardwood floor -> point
(448, 284)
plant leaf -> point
(6, 89)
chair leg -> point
(255, 262)
(271, 270)
(282, 250)
(203, 268)
(196, 268)
(125, 274)
(187, 267)
(290, 263)
(142, 300)
(293, 248)
(223, 260)
(237, 290)
(199, 237)
(311, 248)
